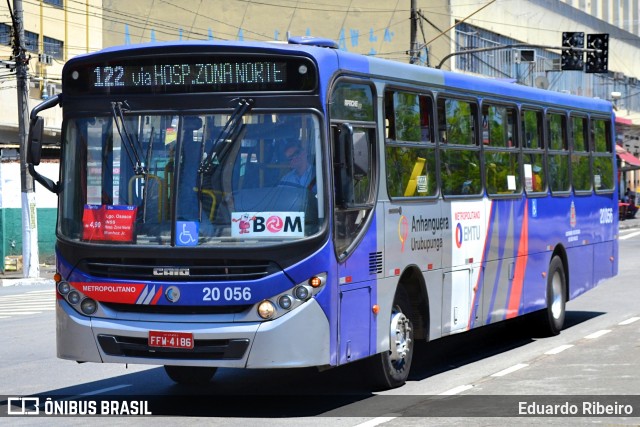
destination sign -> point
(191, 74)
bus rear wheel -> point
(553, 316)
(190, 375)
(391, 368)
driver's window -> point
(354, 151)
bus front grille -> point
(176, 309)
(179, 270)
(233, 349)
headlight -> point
(73, 297)
(301, 292)
(88, 306)
(64, 287)
(288, 300)
(266, 309)
(285, 302)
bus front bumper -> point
(300, 338)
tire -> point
(552, 317)
(390, 369)
(190, 375)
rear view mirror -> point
(34, 142)
(360, 154)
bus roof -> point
(355, 64)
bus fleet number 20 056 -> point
(235, 293)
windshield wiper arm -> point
(231, 130)
(129, 146)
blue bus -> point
(280, 205)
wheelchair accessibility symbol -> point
(187, 233)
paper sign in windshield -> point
(267, 224)
(108, 223)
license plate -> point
(163, 339)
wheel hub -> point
(401, 337)
(556, 297)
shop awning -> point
(623, 121)
(630, 161)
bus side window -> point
(460, 157)
(501, 154)
(603, 176)
(581, 175)
(558, 156)
(535, 178)
(410, 154)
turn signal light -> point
(315, 282)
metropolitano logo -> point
(23, 406)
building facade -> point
(54, 31)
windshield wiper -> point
(230, 132)
(129, 146)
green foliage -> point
(407, 117)
(460, 172)
(401, 161)
(559, 172)
(581, 172)
(459, 122)
(603, 173)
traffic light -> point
(572, 59)
(597, 62)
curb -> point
(26, 281)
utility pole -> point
(413, 48)
(30, 261)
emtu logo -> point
(467, 234)
(459, 236)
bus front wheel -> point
(391, 368)
(190, 375)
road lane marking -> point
(628, 236)
(28, 303)
(629, 321)
(104, 390)
(456, 390)
(559, 349)
(94, 392)
(376, 421)
(19, 313)
(510, 370)
(598, 334)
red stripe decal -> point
(476, 288)
(157, 297)
(521, 266)
(126, 293)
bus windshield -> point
(192, 180)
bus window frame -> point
(474, 101)
(573, 153)
(539, 110)
(608, 154)
(375, 161)
(550, 151)
(432, 144)
(515, 148)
